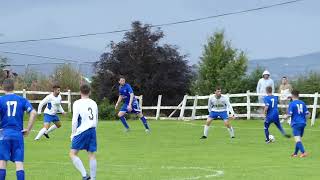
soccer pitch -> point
(173, 151)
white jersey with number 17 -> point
(85, 116)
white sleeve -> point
(42, 103)
(75, 116)
(97, 115)
(258, 86)
(60, 109)
(229, 107)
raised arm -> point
(42, 103)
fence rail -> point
(248, 104)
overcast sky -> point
(281, 31)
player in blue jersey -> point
(298, 112)
(130, 104)
(272, 114)
(12, 108)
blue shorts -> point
(47, 118)
(87, 140)
(298, 129)
(272, 119)
(135, 108)
(219, 115)
(12, 148)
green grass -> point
(173, 151)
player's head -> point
(56, 89)
(269, 90)
(85, 89)
(122, 80)
(284, 80)
(8, 85)
(295, 94)
(266, 74)
(217, 91)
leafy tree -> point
(3, 62)
(221, 65)
(151, 68)
(67, 77)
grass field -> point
(173, 151)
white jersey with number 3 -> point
(85, 116)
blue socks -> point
(144, 121)
(300, 146)
(124, 122)
(266, 130)
(2, 174)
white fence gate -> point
(248, 104)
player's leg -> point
(78, 163)
(17, 155)
(121, 115)
(3, 167)
(227, 123)
(56, 124)
(298, 131)
(92, 148)
(207, 125)
(93, 165)
(46, 126)
(279, 126)
(266, 130)
(20, 170)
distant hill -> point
(46, 66)
(288, 66)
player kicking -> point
(83, 136)
(271, 114)
(219, 107)
(12, 108)
(298, 112)
(130, 105)
(53, 102)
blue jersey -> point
(125, 92)
(12, 108)
(272, 103)
(298, 111)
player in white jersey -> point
(219, 107)
(83, 136)
(53, 102)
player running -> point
(53, 102)
(219, 107)
(12, 108)
(130, 105)
(83, 136)
(298, 112)
(271, 113)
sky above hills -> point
(278, 32)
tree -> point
(3, 64)
(220, 65)
(67, 77)
(151, 68)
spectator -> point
(285, 90)
(263, 83)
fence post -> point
(194, 109)
(158, 107)
(24, 94)
(183, 107)
(314, 109)
(248, 105)
(69, 100)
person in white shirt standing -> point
(53, 106)
(219, 107)
(263, 83)
(83, 136)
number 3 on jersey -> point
(90, 116)
(13, 111)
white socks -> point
(41, 132)
(53, 127)
(78, 164)
(231, 131)
(93, 168)
(206, 130)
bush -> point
(106, 110)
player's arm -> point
(305, 110)
(118, 102)
(229, 107)
(42, 103)
(60, 109)
(32, 117)
(74, 123)
(290, 111)
(266, 107)
(210, 104)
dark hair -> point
(121, 77)
(55, 86)
(217, 88)
(8, 84)
(85, 89)
(269, 89)
(284, 77)
(295, 93)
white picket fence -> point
(182, 107)
(68, 95)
